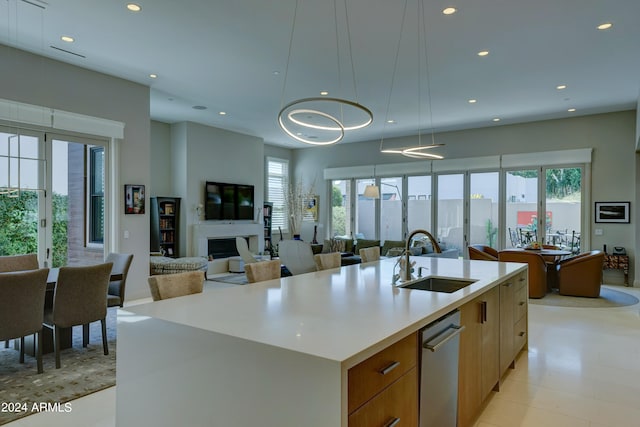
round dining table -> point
(551, 257)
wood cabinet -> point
(267, 213)
(165, 225)
(479, 354)
(383, 389)
(513, 313)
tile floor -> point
(582, 369)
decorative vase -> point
(314, 241)
(296, 237)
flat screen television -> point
(224, 201)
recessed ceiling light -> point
(276, 73)
(449, 10)
(605, 26)
(497, 119)
(472, 101)
(391, 121)
(561, 87)
(223, 113)
(153, 76)
(571, 110)
(483, 53)
(324, 93)
(199, 107)
(67, 39)
(134, 7)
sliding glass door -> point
(521, 225)
(483, 208)
(451, 216)
(563, 207)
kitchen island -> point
(276, 353)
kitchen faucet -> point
(406, 272)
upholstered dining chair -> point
(263, 270)
(165, 286)
(18, 263)
(483, 253)
(327, 261)
(80, 298)
(243, 249)
(537, 269)
(297, 256)
(370, 254)
(121, 264)
(21, 307)
(581, 275)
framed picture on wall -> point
(134, 199)
(614, 212)
(310, 209)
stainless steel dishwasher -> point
(439, 371)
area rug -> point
(83, 371)
(608, 298)
(236, 279)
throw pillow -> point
(333, 245)
(391, 244)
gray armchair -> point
(80, 298)
(21, 307)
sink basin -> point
(437, 284)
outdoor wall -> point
(613, 171)
(33, 79)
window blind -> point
(277, 187)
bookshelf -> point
(165, 225)
(267, 211)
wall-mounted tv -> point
(228, 201)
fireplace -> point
(223, 247)
(223, 237)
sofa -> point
(389, 248)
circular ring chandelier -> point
(322, 121)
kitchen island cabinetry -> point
(513, 319)
(384, 388)
(479, 353)
(289, 352)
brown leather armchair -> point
(537, 269)
(581, 275)
(483, 252)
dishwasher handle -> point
(443, 337)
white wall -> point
(33, 79)
(198, 153)
(612, 137)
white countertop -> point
(342, 314)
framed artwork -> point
(134, 199)
(614, 212)
(310, 208)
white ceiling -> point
(223, 54)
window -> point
(277, 187)
(96, 195)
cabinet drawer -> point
(521, 301)
(521, 280)
(397, 403)
(372, 375)
(520, 334)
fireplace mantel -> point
(203, 232)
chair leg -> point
(21, 349)
(6, 344)
(85, 335)
(56, 344)
(105, 347)
(39, 351)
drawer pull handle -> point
(507, 284)
(393, 422)
(390, 368)
(522, 303)
(522, 279)
(522, 333)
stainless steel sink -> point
(437, 284)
